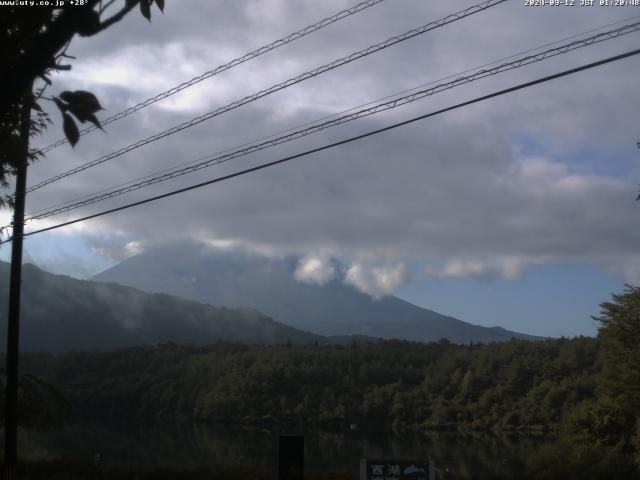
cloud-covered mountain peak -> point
(314, 293)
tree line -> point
(585, 391)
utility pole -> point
(13, 327)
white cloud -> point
(115, 247)
(626, 267)
(314, 270)
(376, 281)
(508, 268)
(543, 173)
(134, 248)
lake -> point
(198, 447)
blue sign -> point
(396, 470)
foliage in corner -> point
(33, 46)
(83, 105)
(620, 335)
(619, 384)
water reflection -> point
(199, 447)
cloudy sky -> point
(519, 211)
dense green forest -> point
(512, 385)
(531, 387)
(584, 391)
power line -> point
(333, 115)
(335, 144)
(397, 102)
(227, 66)
(280, 86)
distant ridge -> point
(235, 279)
(60, 313)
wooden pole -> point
(13, 327)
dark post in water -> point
(291, 457)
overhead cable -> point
(227, 66)
(277, 87)
(332, 115)
(394, 103)
(335, 144)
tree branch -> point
(35, 62)
(37, 59)
(118, 16)
(107, 5)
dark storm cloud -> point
(483, 191)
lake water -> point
(199, 447)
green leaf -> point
(81, 103)
(87, 99)
(67, 96)
(160, 4)
(145, 8)
(63, 107)
(93, 119)
(89, 24)
(79, 113)
(70, 129)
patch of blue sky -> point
(70, 255)
(548, 300)
(586, 159)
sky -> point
(518, 211)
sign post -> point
(396, 470)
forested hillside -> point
(552, 387)
(513, 385)
(61, 313)
(584, 391)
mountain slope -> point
(61, 313)
(240, 279)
